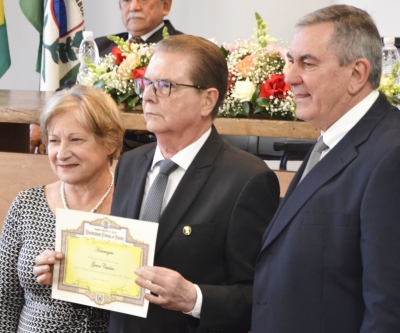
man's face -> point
(142, 16)
(319, 84)
(181, 114)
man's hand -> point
(44, 266)
(172, 291)
(35, 139)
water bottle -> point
(390, 55)
(88, 48)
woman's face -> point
(75, 155)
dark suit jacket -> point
(228, 197)
(105, 45)
(330, 258)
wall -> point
(224, 20)
(384, 12)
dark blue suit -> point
(330, 257)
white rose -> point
(244, 90)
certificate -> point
(101, 253)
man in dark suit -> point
(216, 206)
(330, 258)
(105, 45)
(142, 19)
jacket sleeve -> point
(11, 292)
(228, 308)
(380, 246)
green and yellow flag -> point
(34, 12)
(5, 60)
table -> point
(23, 107)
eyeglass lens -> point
(160, 88)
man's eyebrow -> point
(166, 80)
(303, 57)
(308, 56)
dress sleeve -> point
(11, 292)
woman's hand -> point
(44, 266)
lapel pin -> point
(187, 230)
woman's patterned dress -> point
(25, 305)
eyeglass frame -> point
(150, 82)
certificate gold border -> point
(100, 298)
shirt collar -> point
(146, 36)
(185, 156)
(344, 124)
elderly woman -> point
(83, 132)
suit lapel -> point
(158, 35)
(325, 170)
(332, 164)
(138, 183)
(191, 184)
(291, 188)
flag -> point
(5, 60)
(60, 24)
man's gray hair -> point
(355, 36)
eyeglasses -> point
(161, 88)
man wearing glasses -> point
(217, 202)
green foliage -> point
(390, 88)
(165, 33)
(261, 32)
(224, 51)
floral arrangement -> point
(115, 72)
(257, 69)
(257, 85)
(389, 86)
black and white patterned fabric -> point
(26, 306)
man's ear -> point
(166, 6)
(210, 98)
(359, 76)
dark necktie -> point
(315, 156)
(137, 40)
(152, 207)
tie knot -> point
(167, 166)
(137, 40)
(320, 146)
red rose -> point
(275, 86)
(139, 73)
(231, 80)
(117, 53)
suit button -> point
(187, 230)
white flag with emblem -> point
(62, 34)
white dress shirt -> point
(183, 158)
(344, 124)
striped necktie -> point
(137, 40)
